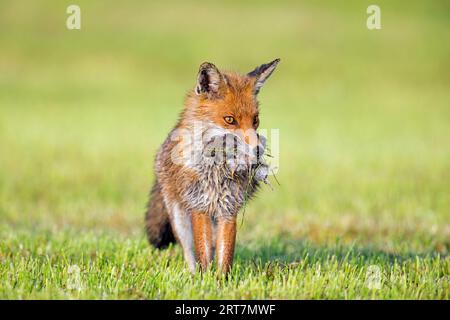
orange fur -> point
(226, 238)
(203, 241)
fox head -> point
(228, 100)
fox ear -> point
(209, 80)
(262, 73)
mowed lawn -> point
(362, 208)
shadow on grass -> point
(287, 251)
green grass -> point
(364, 119)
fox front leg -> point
(225, 242)
(203, 238)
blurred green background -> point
(364, 116)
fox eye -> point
(230, 120)
(256, 121)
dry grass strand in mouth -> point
(251, 175)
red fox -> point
(209, 165)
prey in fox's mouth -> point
(231, 151)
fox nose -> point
(251, 138)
